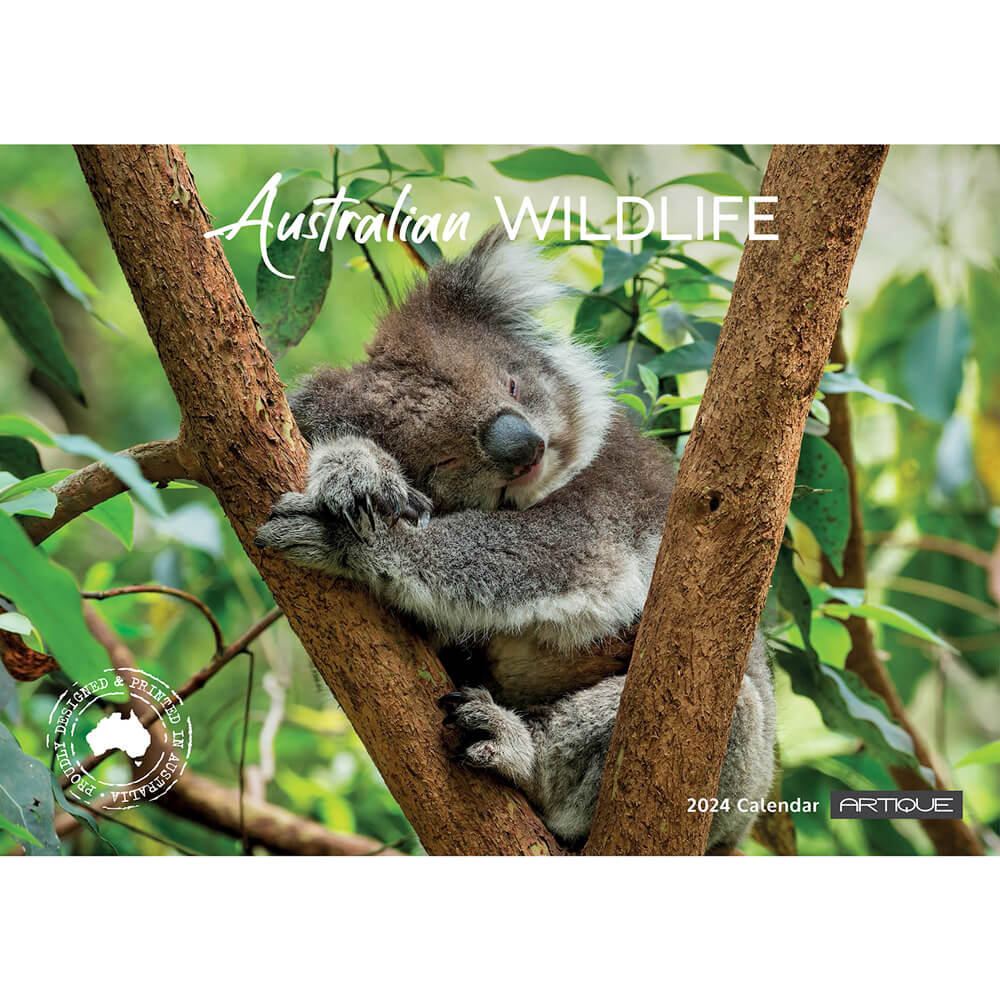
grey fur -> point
(542, 575)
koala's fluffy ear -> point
(499, 281)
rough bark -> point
(949, 836)
(236, 424)
(728, 510)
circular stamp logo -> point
(159, 752)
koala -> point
(475, 473)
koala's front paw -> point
(352, 477)
(298, 530)
(488, 734)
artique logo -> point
(926, 804)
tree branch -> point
(160, 462)
(210, 804)
(950, 836)
(158, 588)
(728, 510)
(216, 807)
(236, 423)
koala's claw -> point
(353, 479)
(451, 698)
(370, 511)
(346, 514)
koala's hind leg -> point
(556, 753)
(491, 736)
(748, 767)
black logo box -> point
(926, 804)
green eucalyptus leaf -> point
(12, 424)
(434, 155)
(19, 457)
(900, 307)
(602, 321)
(854, 597)
(848, 706)
(933, 363)
(41, 480)
(294, 173)
(841, 382)
(26, 804)
(989, 754)
(698, 268)
(716, 183)
(47, 595)
(827, 514)
(740, 152)
(360, 188)
(792, 593)
(47, 249)
(35, 503)
(619, 266)
(118, 516)
(818, 411)
(31, 326)
(427, 250)
(545, 162)
(73, 809)
(650, 382)
(885, 615)
(677, 402)
(288, 307)
(12, 249)
(634, 402)
(124, 467)
(693, 357)
(16, 831)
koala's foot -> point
(490, 736)
(351, 477)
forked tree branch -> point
(728, 509)
(949, 836)
(236, 424)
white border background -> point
(516, 72)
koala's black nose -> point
(511, 442)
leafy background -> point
(923, 383)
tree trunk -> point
(949, 836)
(237, 430)
(728, 510)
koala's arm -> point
(555, 567)
(556, 754)
(331, 403)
